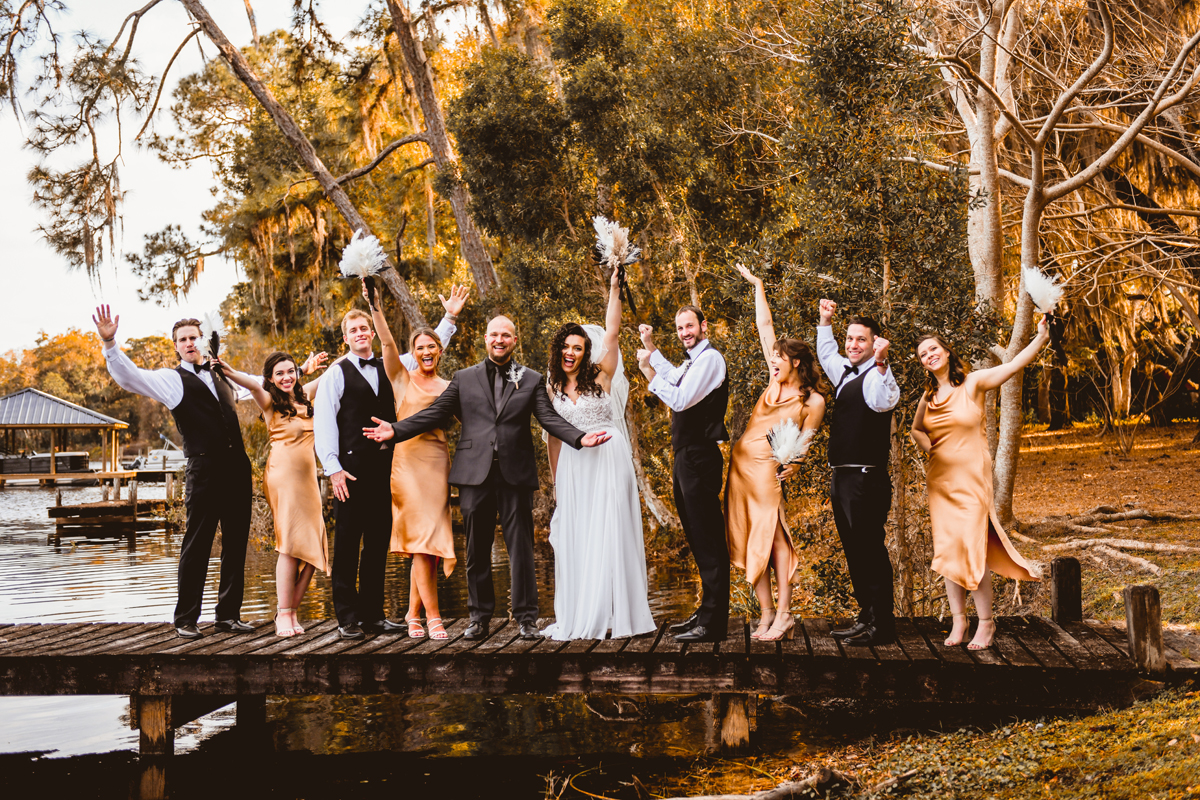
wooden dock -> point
(1035, 664)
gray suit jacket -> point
(469, 397)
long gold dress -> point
(753, 496)
(290, 484)
(968, 539)
(421, 486)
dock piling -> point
(1143, 626)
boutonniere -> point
(514, 374)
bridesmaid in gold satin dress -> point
(290, 479)
(969, 542)
(755, 528)
(421, 470)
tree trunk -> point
(1060, 404)
(654, 504)
(304, 148)
(469, 240)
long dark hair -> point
(958, 368)
(281, 400)
(810, 378)
(585, 380)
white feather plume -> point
(612, 242)
(210, 324)
(363, 257)
(788, 442)
(1043, 290)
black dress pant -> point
(217, 490)
(480, 506)
(362, 533)
(861, 502)
(697, 485)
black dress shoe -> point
(701, 634)
(874, 634)
(854, 630)
(686, 625)
(530, 631)
(234, 626)
(189, 631)
(383, 626)
(351, 631)
(478, 629)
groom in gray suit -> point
(494, 467)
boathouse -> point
(33, 410)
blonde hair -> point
(354, 313)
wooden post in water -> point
(133, 496)
(170, 487)
(733, 717)
(1066, 590)
(1143, 627)
(157, 737)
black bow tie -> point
(206, 366)
(850, 370)
(369, 362)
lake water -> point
(74, 579)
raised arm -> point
(250, 383)
(612, 328)
(762, 314)
(314, 362)
(993, 378)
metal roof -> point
(30, 408)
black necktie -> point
(369, 362)
(850, 370)
(497, 385)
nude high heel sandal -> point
(979, 643)
(952, 642)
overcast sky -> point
(39, 292)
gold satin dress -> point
(421, 486)
(968, 539)
(753, 495)
(290, 484)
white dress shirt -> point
(163, 385)
(680, 392)
(328, 401)
(881, 392)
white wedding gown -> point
(596, 532)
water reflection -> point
(132, 579)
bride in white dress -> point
(596, 530)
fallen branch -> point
(819, 783)
(1141, 563)
(1099, 515)
(1125, 544)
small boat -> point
(166, 459)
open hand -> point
(881, 346)
(647, 334)
(594, 438)
(455, 302)
(106, 324)
(314, 362)
(382, 432)
(748, 275)
(828, 308)
(341, 490)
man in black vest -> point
(697, 394)
(860, 441)
(494, 467)
(353, 391)
(218, 486)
